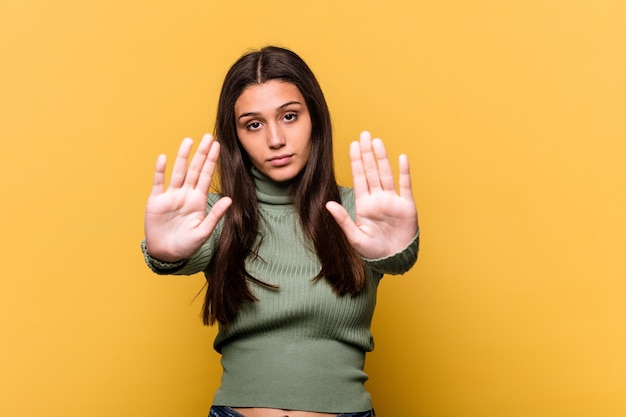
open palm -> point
(176, 222)
(386, 221)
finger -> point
(358, 173)
(159, 175)
(369, 162)
(345, 222)
(197, 162)
(406, 190)
(215, 215)
(206, 176)
(385, 174)
(180, 165)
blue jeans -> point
(220, 411)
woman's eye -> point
(290, 117)
(253, 126)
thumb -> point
(215, 215)
(344, 221)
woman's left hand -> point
(386, 221)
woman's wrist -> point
(161, 262)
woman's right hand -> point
(176, 223)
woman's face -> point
(274, 128)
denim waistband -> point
(221, 411)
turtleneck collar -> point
(271, 192)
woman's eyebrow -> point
(289, 103)
(282, 106)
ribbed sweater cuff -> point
(161, 267)
(399, 262)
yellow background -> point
(513, 114)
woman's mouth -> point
(280, 160)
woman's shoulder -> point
(213, 197)
(347, 198)
(346, 192)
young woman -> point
(292, 260)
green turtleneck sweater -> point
(300, 346)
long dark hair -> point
(227, 277)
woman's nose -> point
(275, 137)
